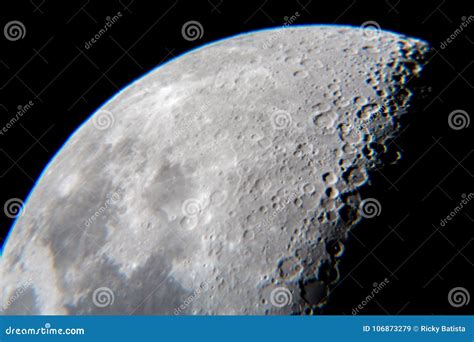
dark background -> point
(405, 243)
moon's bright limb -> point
(215, 184)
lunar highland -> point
(223, 182)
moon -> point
(223, 182)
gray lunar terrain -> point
(216, 183)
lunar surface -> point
(223, 182)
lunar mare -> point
(234, 169)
